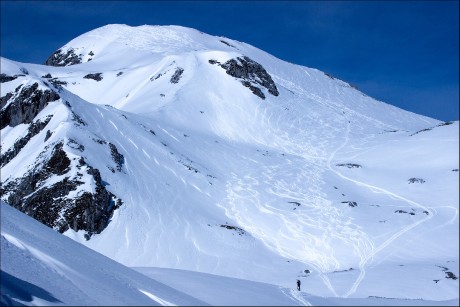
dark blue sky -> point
(404, 53)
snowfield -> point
(226, 173)
(41, 267)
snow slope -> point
(41, 267)
(216, 179)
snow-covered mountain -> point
(162, 146)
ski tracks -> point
(368, 256)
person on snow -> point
(298, 285)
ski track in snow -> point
(294, 239)
(316, 215)
(369, 255)
(297, 295)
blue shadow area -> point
(13, 290)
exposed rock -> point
(47, 76)
(239, 230)
(5, 78)
(76, 118)
(52, 204)
(403, 211)
(57, 83)
(26, 105)
(416, 180)
(176, 76)
(59, 163)
(431, 128)
(96, 76)
(32, 131)
(119, 73)
(350, 203)
(254, 89)
(48, 135)
(75, 145)
(99, 141)
(153, 78)
(251, 74)
(117, 157)
(58, 58)
(349, 165)
(4, 99)
(226, 43)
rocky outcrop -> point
(57, 83)
(96, 76)
(350, 203)
(251, 74)
(238, 230)
(58, 58)
(349, 165)
(117, 157)
(53, 204)
(5, 78)
(32, 131)
(4, 99)
(25, 106)
(177, 75)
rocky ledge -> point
(63, 203)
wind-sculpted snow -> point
(314, 177)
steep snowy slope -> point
(207, 154)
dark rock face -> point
(251, 75)
(117, 157)
(26, 105)
(177, 75)
(52, 204)
(4, 99)
(58, 58)
(59, 163)
(96, 76)
(5, 78)
(32, 131)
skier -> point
(298, 285)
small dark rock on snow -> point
(96, 76)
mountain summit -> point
(162, 146)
